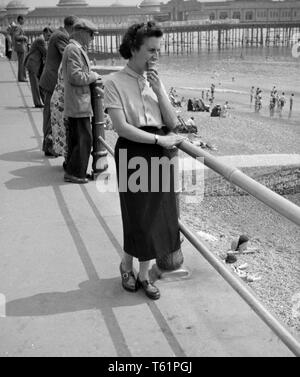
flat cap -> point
(83, 24)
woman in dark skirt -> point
(138, 105)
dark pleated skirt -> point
(150, 219)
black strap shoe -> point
(149, 288)
(129, 282)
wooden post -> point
(99, 153)
(219, 38)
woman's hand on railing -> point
(170, 141)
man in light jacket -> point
(77, 78)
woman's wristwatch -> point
(156, 139)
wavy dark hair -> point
(135, 36)
(47, 30)
(70, 21)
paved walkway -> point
(60, 252)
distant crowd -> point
(277, 101)
(199, 104)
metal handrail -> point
(281, 205)
(286, 337)
(285, 208)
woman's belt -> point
(154, 130)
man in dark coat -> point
(8, 45)
(56, 47)
(34, 62)
(20, 42)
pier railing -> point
(281, 205)
(194, 35)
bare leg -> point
(127, 262)
(144, 271)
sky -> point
(34, 3)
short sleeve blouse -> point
(129, 91)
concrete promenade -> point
(60, 249)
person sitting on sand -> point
(200, 143)
(190, 122)
(190, 106)
(197, 105)
(186, 127)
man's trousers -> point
(79, 145)
(47, 130)
(21, 67)
(35, 90)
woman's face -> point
(148, 52)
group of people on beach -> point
(142, 115)
(277, 101)
(197, 105)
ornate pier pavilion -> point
(243, 10)
(118, 16)
(115, 15)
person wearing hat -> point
(78, 77)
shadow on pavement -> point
(8, 82)
(36, 176)
(41, 175)
(30, 155)
(103, 295)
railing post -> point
(99, 153)
(172, 264)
